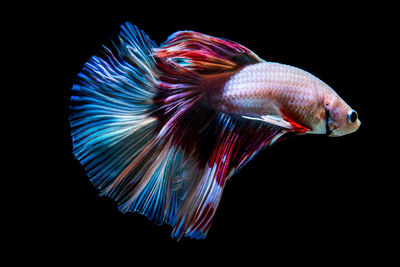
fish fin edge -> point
(205, 54)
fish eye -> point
(352, 116)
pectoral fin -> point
(284, 122)
(271, 119)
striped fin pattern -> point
(109, 109)
(236, 145)
(205, 54)
(147, 138)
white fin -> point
(272, 119)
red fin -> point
(296, 127)
(217, 143)
(205, 54)
(222, 147)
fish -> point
(162, 129)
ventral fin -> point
(271, 119)
(284, 122)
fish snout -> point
(352, 125)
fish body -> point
(162, 129)
(278, 90)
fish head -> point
(340, 118)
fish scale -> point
(277, 84)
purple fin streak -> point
(143, 130)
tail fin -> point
(110, 106)
(147, 138)
(116, 137)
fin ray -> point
(234, 147)
(145, 135)
(205, 54)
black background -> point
(310, 198)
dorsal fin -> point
(205, 54)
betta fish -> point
(161, 129)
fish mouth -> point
(332, 134)
(328, 130)
(345, 131)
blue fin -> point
(111, 106)
(149, 141)
(116, 136)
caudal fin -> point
(146, 136)
(110, 110)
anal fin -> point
(236, 140)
